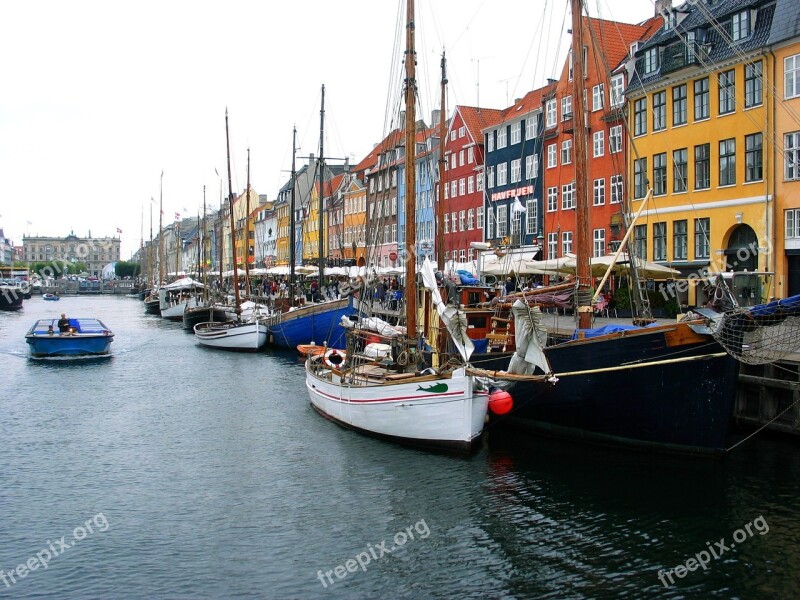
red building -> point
(606, 138)
(464, 189)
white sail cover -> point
(454, 320)
(530, 337)
(374, 324)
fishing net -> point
(761, 334)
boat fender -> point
(402, 358)
(334, 358)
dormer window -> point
(651, 60)
(741, 25)
(634, 48)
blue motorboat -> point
(81, 337)
(51, 297)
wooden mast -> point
(411, 222)
(161, 230)
(247, 232)
(292, 240)
(321, 177)
(442, 170)
(582, 241)
(233, 222)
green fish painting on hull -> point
(437, 388)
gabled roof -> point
(476, 119)
(615, 38)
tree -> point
(126, 269)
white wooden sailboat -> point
(241, 333)
(381, 388)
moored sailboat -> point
(237, 334)
(667, 388)
(381, 386)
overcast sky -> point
(99, 97)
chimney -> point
(663, 7)
(551, 81)
(435, 116)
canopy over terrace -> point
(599, 265)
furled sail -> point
(454, 319)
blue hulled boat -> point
(317, 323)
(83, 337)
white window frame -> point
(552, 199)
(598, 96)
(566, 152)
(531, 216)
(502, 137)
(599, 242)
(551, 114)
(598, 143)
(566, 242)
(599, 192)
(791, 76)
(516, 133)
(552, 156)
(615, 139)
(516, 170)
(502, 174)
(616, 97)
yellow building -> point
(786, 167)
(699, 112)
(311, 227)
(355, 221)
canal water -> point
(173, 471)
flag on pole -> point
(119, 230)
(517, 206)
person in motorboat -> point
(63, 324)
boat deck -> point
(85, 326)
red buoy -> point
(500, 402)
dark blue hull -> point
(317, 323)
(682, 407)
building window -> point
(599, 242)
(568, 196)
(471, 155)
(702, 243)
(470, 184)
(640, 116)
(454, 188)
(566, 242)
(793, 223)
(462, 186)
(489, 222)
(461, 158)
(640, 178)
(502, 174)
(453, 135)
(599, 192)
(490, 141)
(679, 240)
(530, 128)
(566, 152)
(516, 170)
(659, 111)
(490, 177)
(640, 241)
(660, 174)
(727, 92)
(566, 108)
(531, 166)
(791, 156)
(651, 60)
(617, 98)
(551, 117)
(659, 241)
(552, 245)
(701, 99)
(470, 219)
(501, 137)
(791, 75)
(479, 216)
(479, 182)
(753, 157)
(753, 84)
(702, 167)
(453, 160)
(679, 109)
(462, 131)
(552, 199)
(462, 220)
(615, 139)
(598, 96)
(516, 132)
(616, 189)
(598, 143)
(454, 221)
(552, 156)
(740, 25)
(530, 216)
(727, 162)
(680, 169)
(502, 220)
